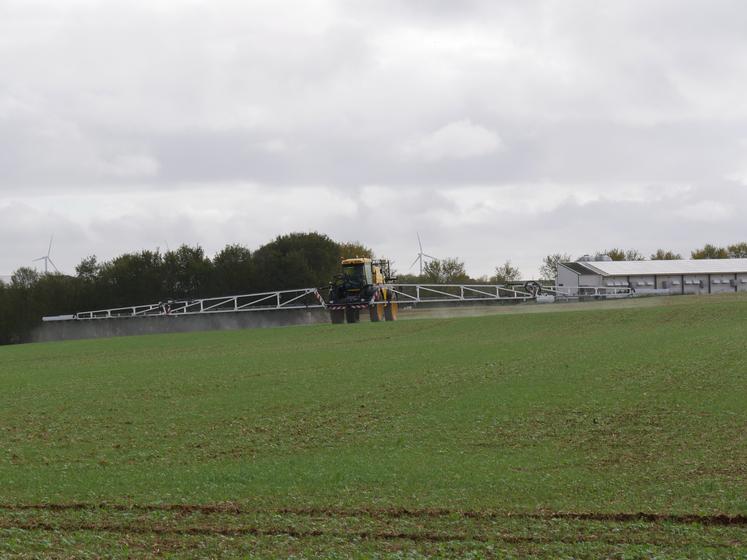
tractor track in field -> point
(721, 519)
(256, 531)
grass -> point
(538, 434)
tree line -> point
(452, 271)
(289, 261)
(151, 276)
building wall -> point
(677, 283)
(673, 283)
(695, 284)
(723, 283)
(590, 280)
(567, 278)
(615, 282)
(643, 283)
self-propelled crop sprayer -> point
(363, 284)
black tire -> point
(352, 315)
(337, 316)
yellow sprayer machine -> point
(362, 284)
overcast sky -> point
(498, 130)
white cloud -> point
(457, 140)
(274, 146)
(131, 166)
(706, 211)
(471, 122)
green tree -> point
(233, 271)
(615, 254)
(710, 252)
(30, 296)
(506, 273)
(738, 250)
(186, 272)
(622, 254)
(408, 278)
(662, 255)
(89, 291)
(5, 324)
(296, 260)
(445, 271)
(24, 278)
(549, 269)
(19, 305)
(353, 250)
(88, 269)
(132, 279)
(54, 294)
(634, 255)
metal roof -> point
(647, 268)
(579, 268)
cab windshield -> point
(353, 273)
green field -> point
(599, 432)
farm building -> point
(702, 276)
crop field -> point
(602, 432)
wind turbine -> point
(46, 258)
(420, 256)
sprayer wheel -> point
(376, 313)
(337, 316)
(352, 315)
(390, 311)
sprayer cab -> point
(362, 284)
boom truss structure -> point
(304, 298)
(445, 293)
(311, 298)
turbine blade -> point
(50, 245)
(430, 256)
(419, 243)
(53, 265)
(413, 262)
(39, 259)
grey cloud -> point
(386, 219)
(157, 99)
